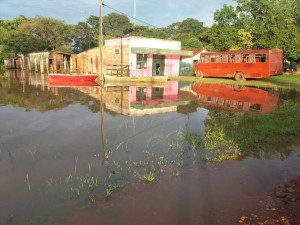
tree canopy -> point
(249, 25)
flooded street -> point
(130, 155)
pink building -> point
(150, 56)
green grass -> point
(219, 146)
(280, 81)
(244, 134)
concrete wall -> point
(145, 42)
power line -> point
(129, 16)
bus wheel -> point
(199, 74)
(239, 76)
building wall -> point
(13, 63)
(89, 61)
(172, 65)
(144, 42)
(172, 62)
(143, 72)
(46, 61)
(171, 68)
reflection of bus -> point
(237, 98)
(240, 64)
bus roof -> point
(242, 51)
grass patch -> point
(219, 147)
(280, 81)
(245, 134)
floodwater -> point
(130, 155)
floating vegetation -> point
(81, 184)
(176, 174)
(32, 153)
(139, 164)
(28, 182)
(110, 189)
(149, 177)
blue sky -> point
(159, 13)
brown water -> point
(63, 150)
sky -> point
(155, 13)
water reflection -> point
(76, 146)
(236, 97)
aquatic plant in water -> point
(218, 147)
(149, 177)
(81, 184)
(110, 189)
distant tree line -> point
(249, 25)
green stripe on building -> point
(158, 51)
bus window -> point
(238, 58)
(260, 57)
(224, 58)
(246, 58)
(213, 59)
(235, 59)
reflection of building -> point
(238, 98)
(134, 56)
(140, 101)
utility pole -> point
(100, 42)
(134, 15)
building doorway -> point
(158, 66)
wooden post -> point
(100, 42)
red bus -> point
(240, 65)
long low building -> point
(126, 56)
(134, 56)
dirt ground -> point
(282, 209)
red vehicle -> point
(240, 65)
(236, 98)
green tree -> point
(86, 34)
(224, 33)
(116, 25)
(191, 26)
(258, 24)
(188, 40)
(145, 31)
(190, 32)
(244, 40)
(39, 34)
(274, 24)
(9, 44)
